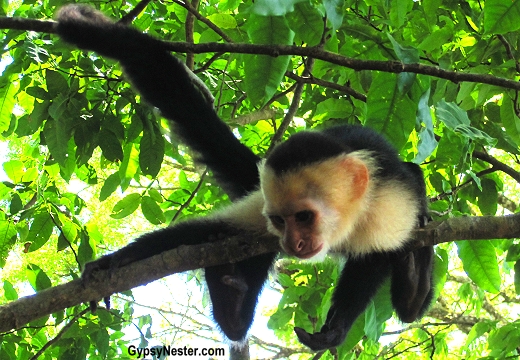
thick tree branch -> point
(18, 313)
(355, 64)
(278, 50)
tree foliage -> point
(85, 161)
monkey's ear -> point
(356, 170)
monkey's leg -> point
(412, 289)
(234, 291)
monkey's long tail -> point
(163, 82)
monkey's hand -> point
(332, 333)
(325, 339)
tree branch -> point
(128, 18)
(17, 313)
(278, 50)
(313, 80)
(497, 164)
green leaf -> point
(109, 186)
(9, 291)
(307, 23)
(77, 349)
(355, 334)
(504, 340)
(371, 325)
(152, 211)
(509, 119)
(407, 55)
(110, 145)
(451, 148)
(38, 92)
(8, 90)
(58, 108)
(478, 330)
(129, 166)
(457, 120)
(156, 195)
(101, 339)
(14, 169)
(437, 38)
(501, 16)
(263, 74)
(40, 230)
(451, 115)
(479, 260)
(273, 7)
(389, 112)
(68, 229)
(86, 248)
(223, 21)
(7, 239)
(37, 278)
(285, 280)
(427, 142)
(399, 11)
(56, 83)
(504, 141)
(28, 125)
(56, 139)
(487, 199)
(126, 206)
(151, 151)
(332, 108)
(440, 270)
(334, 9)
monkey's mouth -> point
(307, 254)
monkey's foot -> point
(322, 340)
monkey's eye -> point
(305, 216)
(277, 220)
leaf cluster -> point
(69, 117)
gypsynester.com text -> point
(168, 350)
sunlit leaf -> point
(126, 206)
(480, 263)
(501, 16)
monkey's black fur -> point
(164, 82)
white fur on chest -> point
(387, 223)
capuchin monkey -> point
(343, 189)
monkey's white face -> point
(315, 207)
(298, 231)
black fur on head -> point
(302, 149)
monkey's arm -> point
(186, 233)
(357, 285)
(165, 83)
